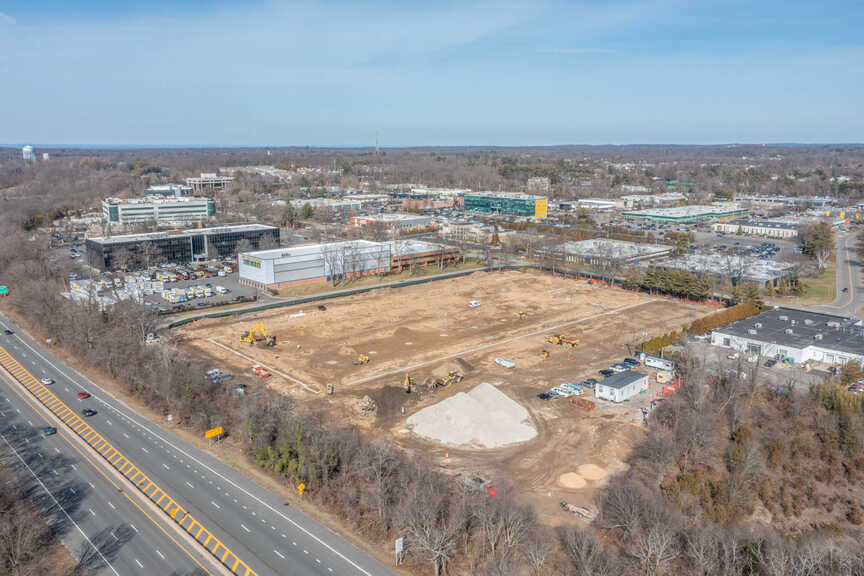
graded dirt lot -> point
(428, 330)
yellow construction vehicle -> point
(562, 340)
(544, 353)
(258, 334)
(523, 315)
(361, 360)
(454, 377)
(407, 383)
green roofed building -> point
(508, 203)
(684, 214)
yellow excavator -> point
(258, 334)
(361, 360)
(407, 383)
(523, 315)
(562, 340)
(454, 377)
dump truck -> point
(361, 360)
(562, 340)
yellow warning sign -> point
(213, 432)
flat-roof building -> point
(335, 204)
(734, 267)
(158, 209)
(684, 214)
(795, 201)
(598, 250)
(177, 247)
(392, 221)
(601, 204)
(799, 335)
(506, 203)
(209, 183)
(621, 386)
(767, 228)
(176, 190)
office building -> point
(506, 203)
(601, 250)
(209, 183)
(598, 204)
(797, 335)
(176, 190)
(687, 214)
(177, 247)
(336, 205)
(766, 228)
(157, 209)
(392, 221)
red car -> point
(83, 395)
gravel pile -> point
(484, 417)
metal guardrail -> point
(123, 465)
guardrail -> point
(123, 465)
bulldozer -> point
(258, 334)
(361, 360)
(562, 340)
(407, 383)
(453, 377)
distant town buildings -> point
(209, 183)
(392, 221)
(158, 209)
(335, 204)
(538, 185)
(506, 203)
(46, 156)
(176, 190)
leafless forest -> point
(731, 479)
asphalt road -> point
(261, 529)
(82, 503)
(849, 278)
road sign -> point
(400, 544)
(213, 432)
(301, 487)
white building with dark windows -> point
(158, 209)
(798, 335)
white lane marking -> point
(72, 490)
(133, 527)
(74, 467)
(317, 560)
(114, 536)
(305, 552)
(57, 450)
(165, 466)
(294, 543)
(14, 427)
(190, 485)
(216, 505)
(66, 388)
(55, 472)
(243, 526)
(160, 554)
(29, 422)
(111, 505)
(139, 563)
(145, 450)
(109, 422)
(18, 410)
(279, 554)
(223, 477)
(125, 435)
(283, 536)
(91, 485)
(91, 512)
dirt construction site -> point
(474, 416)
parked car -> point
(46, 381)
(88, 412)
(543, 396)
(83, 395)
(632, 361)
(733, 356)
(322, 307)
(8, 332)
(620, 367)
(606, 372)
(770, 362)
(590, 383)
(48, 430)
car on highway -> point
(46, 381)
(8, 332)
(88, 412)
(48, 430)
(83, 395)
(845, 290)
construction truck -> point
(407, 383)
(258, 335)
(361, 360)
(562, 340)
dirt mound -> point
(592, 472)
(571, 480)
(457, 364)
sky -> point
(338, 73)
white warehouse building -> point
(622, 386)
(798, 335)
(158, 209)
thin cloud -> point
(575, 51)
(6, 19)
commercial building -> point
(792, 201)
(599, 204)
(799, 335)
(296, 265)
(734, 267)
(506, 203)
(209, 183)
(334, 204)
(685, 214)
(538, 185)
(175, 190)
(471, 232)
(157, 209)
(621, 386)
(600, 250)
(28, 154)
(637, 201)
(177, 247)
(392, 221)
(767, 228)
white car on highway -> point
(47, 381)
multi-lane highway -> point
(850, 285)
(270, 536)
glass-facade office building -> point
(505, 203)
(142, 250)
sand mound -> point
(483, 417)
(592, 472)
(571, 480)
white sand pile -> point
(571, 480)
(483, 417)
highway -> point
(272, 537)
(846, 303)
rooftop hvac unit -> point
(752, 331)
(793, 322)
(784, 318)
(833, 324)
(808, 321)
(817, 337)
(757, 325)
(788, 331)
